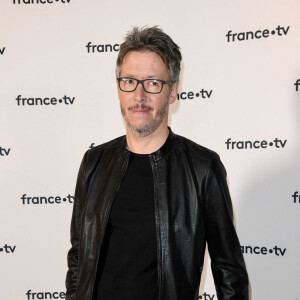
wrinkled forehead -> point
(144, 62)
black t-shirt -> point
(127, 268)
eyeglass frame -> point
(142, 82)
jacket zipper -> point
(157, 223)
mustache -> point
(140, 106)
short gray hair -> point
(153, 39)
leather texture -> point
(192, 208)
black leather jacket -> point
(192, 208)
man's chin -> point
(142, 130)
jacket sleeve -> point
(72, 273)
(227, 262)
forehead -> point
(143, 63)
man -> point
(147, 203)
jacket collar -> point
(164, 149)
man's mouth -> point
(140, 108)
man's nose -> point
(139, 93)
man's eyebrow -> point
(128, 75)
(152, 76)
(147, 77)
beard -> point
(146, 129)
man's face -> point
(144, 112)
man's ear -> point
(174, 92)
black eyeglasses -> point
(152, 86)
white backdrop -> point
(238, 87)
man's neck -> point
(147, 144)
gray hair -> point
(153, 39)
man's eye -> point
(128, 80)
(153, 82)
